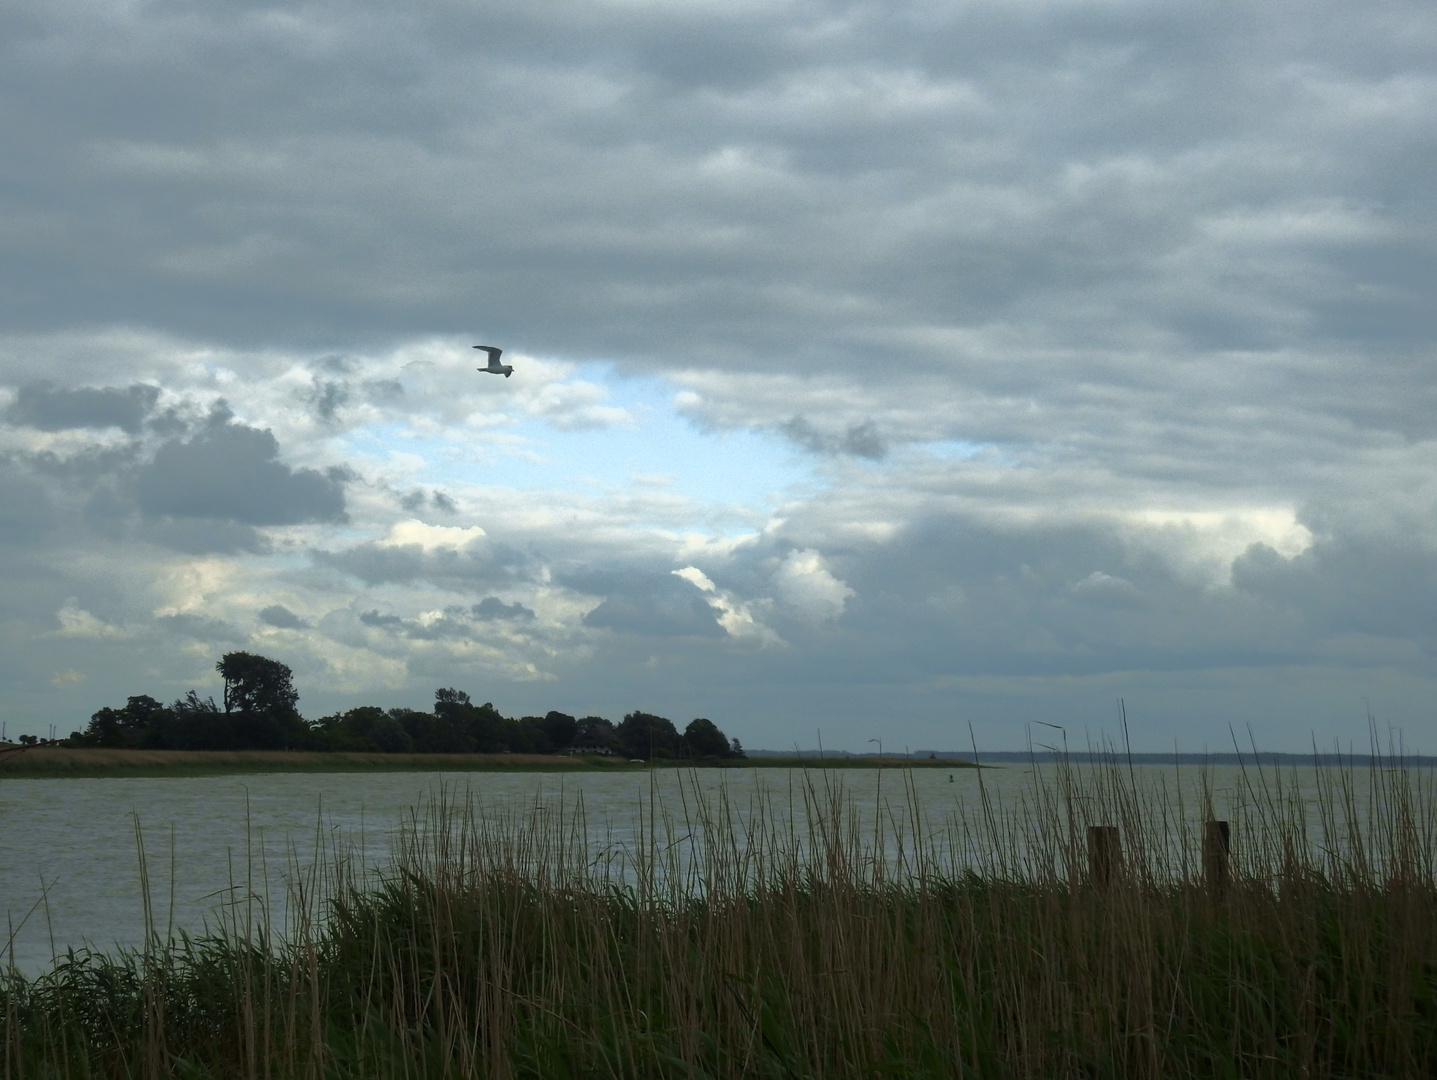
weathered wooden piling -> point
(1216, 852)
(1105, 854)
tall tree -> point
(561, 729)
(643, 735)
(257, 684)
(595, 733)
(703, 739)
(461, 726)
(200, 724)
(260, 697)
(141, 722)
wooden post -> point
(1216, 846)
(1105, 854)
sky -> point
(915, 371)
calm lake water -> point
(69, 849)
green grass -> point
(733, 941)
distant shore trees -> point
(260, 712)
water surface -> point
(70, 867)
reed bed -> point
(735, 940)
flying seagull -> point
(495, 368)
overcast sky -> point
(881, 369)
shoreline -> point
(50, 762)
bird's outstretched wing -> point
(495, 368)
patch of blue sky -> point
(660, 451)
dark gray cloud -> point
(491, 607)
(200, 536)
(418, 499)
(53, 408)
(1350, 584)
(648, 605)
(231, 472)
(168, 422)
(327, 397)
(87, 466)
(478, 565)
(374, 618)
(278, 615)
(860, 440)
(455, 623)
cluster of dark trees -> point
(259, 713)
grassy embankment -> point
(736, 941)
(50, 761)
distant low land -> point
(41, 762)
(259, 728)
(1251, 758)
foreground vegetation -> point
(734, 941)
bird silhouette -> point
(495, 368)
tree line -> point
(259, 712)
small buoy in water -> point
(950, 778)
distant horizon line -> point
(1260, 757)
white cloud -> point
(735, 616)
(430, 537)
(806, 586)
(696, 577)
(75, 622)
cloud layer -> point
(879, 367)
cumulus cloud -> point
(231, 472)
(418, 499)
(426, 537)
(491, 607)
(806, 586)
(412, 552)
(736, 616)
(648, 605)
(75, 622)
(280, 617)
(1380, 586)
(860, 440)
(374, 618)
(203, 536)
(327, 397)
(49, 407)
